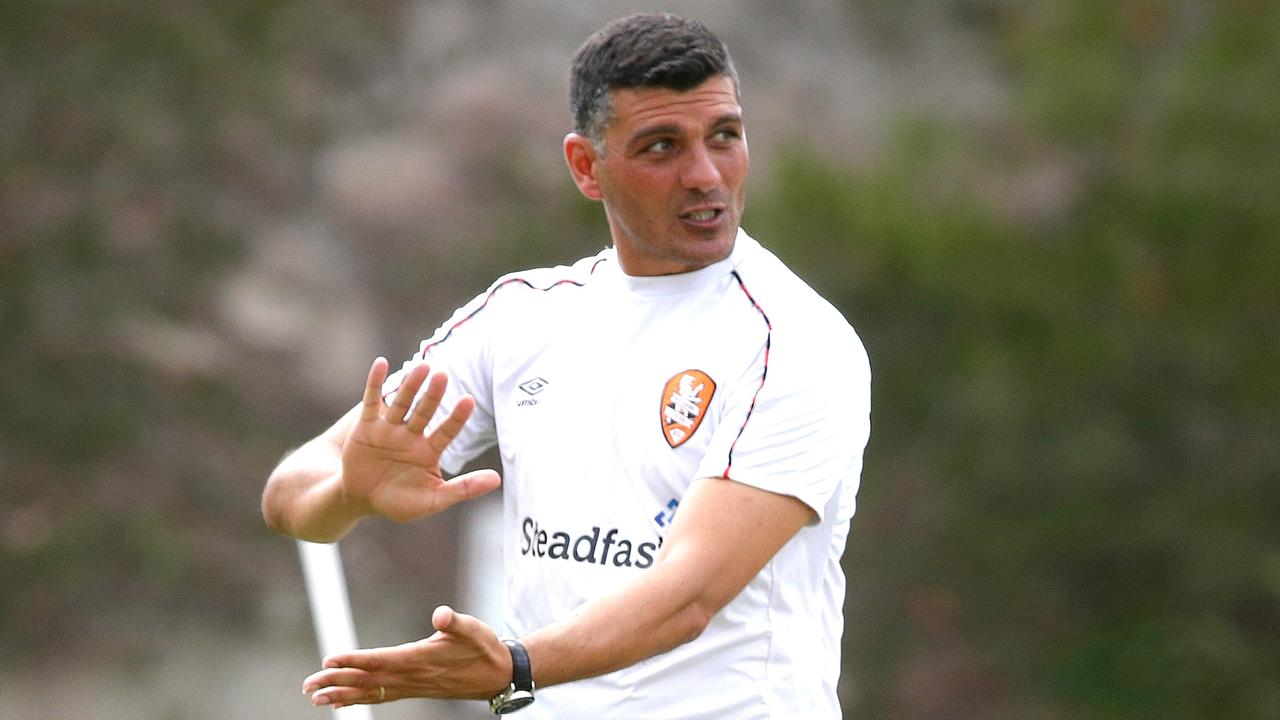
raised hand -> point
(390, 465)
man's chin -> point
(708, 251)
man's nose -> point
(700, 171)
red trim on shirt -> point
(422, 354)
(764, 373)
(483, 305)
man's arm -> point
(376, 459)
(304, 497)
(725, 533)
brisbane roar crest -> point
(685, 399)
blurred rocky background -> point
(1055, 225)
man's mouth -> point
(703, 215)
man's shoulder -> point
(516, 295)
(804, 326)
(579, 274)
(783, 295)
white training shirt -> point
(608, 395)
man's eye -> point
(660, 146)
(726, 135)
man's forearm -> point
(725, 534)
(657, 612)
(304, 498)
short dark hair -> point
(641, 51)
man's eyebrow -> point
(645, 132)
(731, 118)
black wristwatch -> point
(519, 693)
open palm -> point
(391, 464)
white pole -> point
(482, 562)
(330, 609)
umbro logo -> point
(533, 386)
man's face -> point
(672, 176)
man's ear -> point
(580, 154)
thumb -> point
(442, 617)
(451, 622)
(465, 487)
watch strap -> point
(519, 694)
(521, 672)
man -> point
(681, 423)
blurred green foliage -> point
(1072, 497)
(131, 144)
(1071, 502)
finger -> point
(373, 659)
(408, 390)
(427, 404)
(465, 487)
(338, 677)
(367, 660)
(448, 429)
(372, 401)
(338, 697)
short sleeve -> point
(798, 422)
(460, 348)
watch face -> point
(516, 703)
(511, 703)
